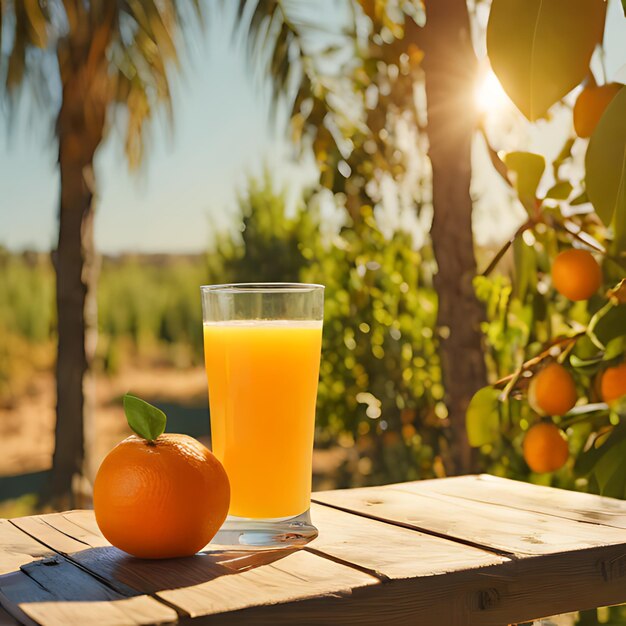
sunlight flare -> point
(489, 96)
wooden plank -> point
(37, 526)
(212, 582)
(390, 551)
(104, 561)
(515, 591)
(36, 583)
(298, 576)
(509, 531)
(17, 548)
(515, 494)
(6, 619)
(54, 592)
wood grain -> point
(516, 591)
(6, 619)
(470, 551)
(211, 582)
(298, 576)
(509, 531)
(390, 551)
(17, 548)
(515, 494)
(48, 589)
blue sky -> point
(190, 174)
(188, 183)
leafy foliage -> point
(124, 47)
(380, 384)
(27, 319)
(268, 246)
(381, 379)
(150, 308)
(540, 325)
(605, 166)
(541, 50)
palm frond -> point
(17, 56)
(142, 52)
(128, 44)
(72, 12)
(37, 21)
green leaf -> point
(610, 471)
(615, 348)
(525, 171)
(588, 460)
(579, 363)
(146, 420)
(579, 199)
(560, 191)
(605, 162)
(540, 49)
(618, 407)
(482, 419)
(525, 268)
(612, 324)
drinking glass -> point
(262, 346)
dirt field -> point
(27, 429)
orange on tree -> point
(545, 448)
(159, 495)
(590, 105)
(552, 391)
(613, 383)
(576, 274)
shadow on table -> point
(107, 574)
(151, 576)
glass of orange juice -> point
(262, 346)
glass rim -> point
(262, 288)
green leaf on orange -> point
(541, 50)
(482, 420)
(145, 419)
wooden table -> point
(475, 550)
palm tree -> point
(110, 55)
(447, 73)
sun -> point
(489, 96)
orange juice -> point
(262, 378)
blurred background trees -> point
(107, 56)
(392, 115)
(394, 152)
(393, 387)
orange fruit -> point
(552, 391)
(576, 274)
(590, 105)
(545, 448)
(160, 499)
(613, 383)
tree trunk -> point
(450, 67)
(80, 127)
